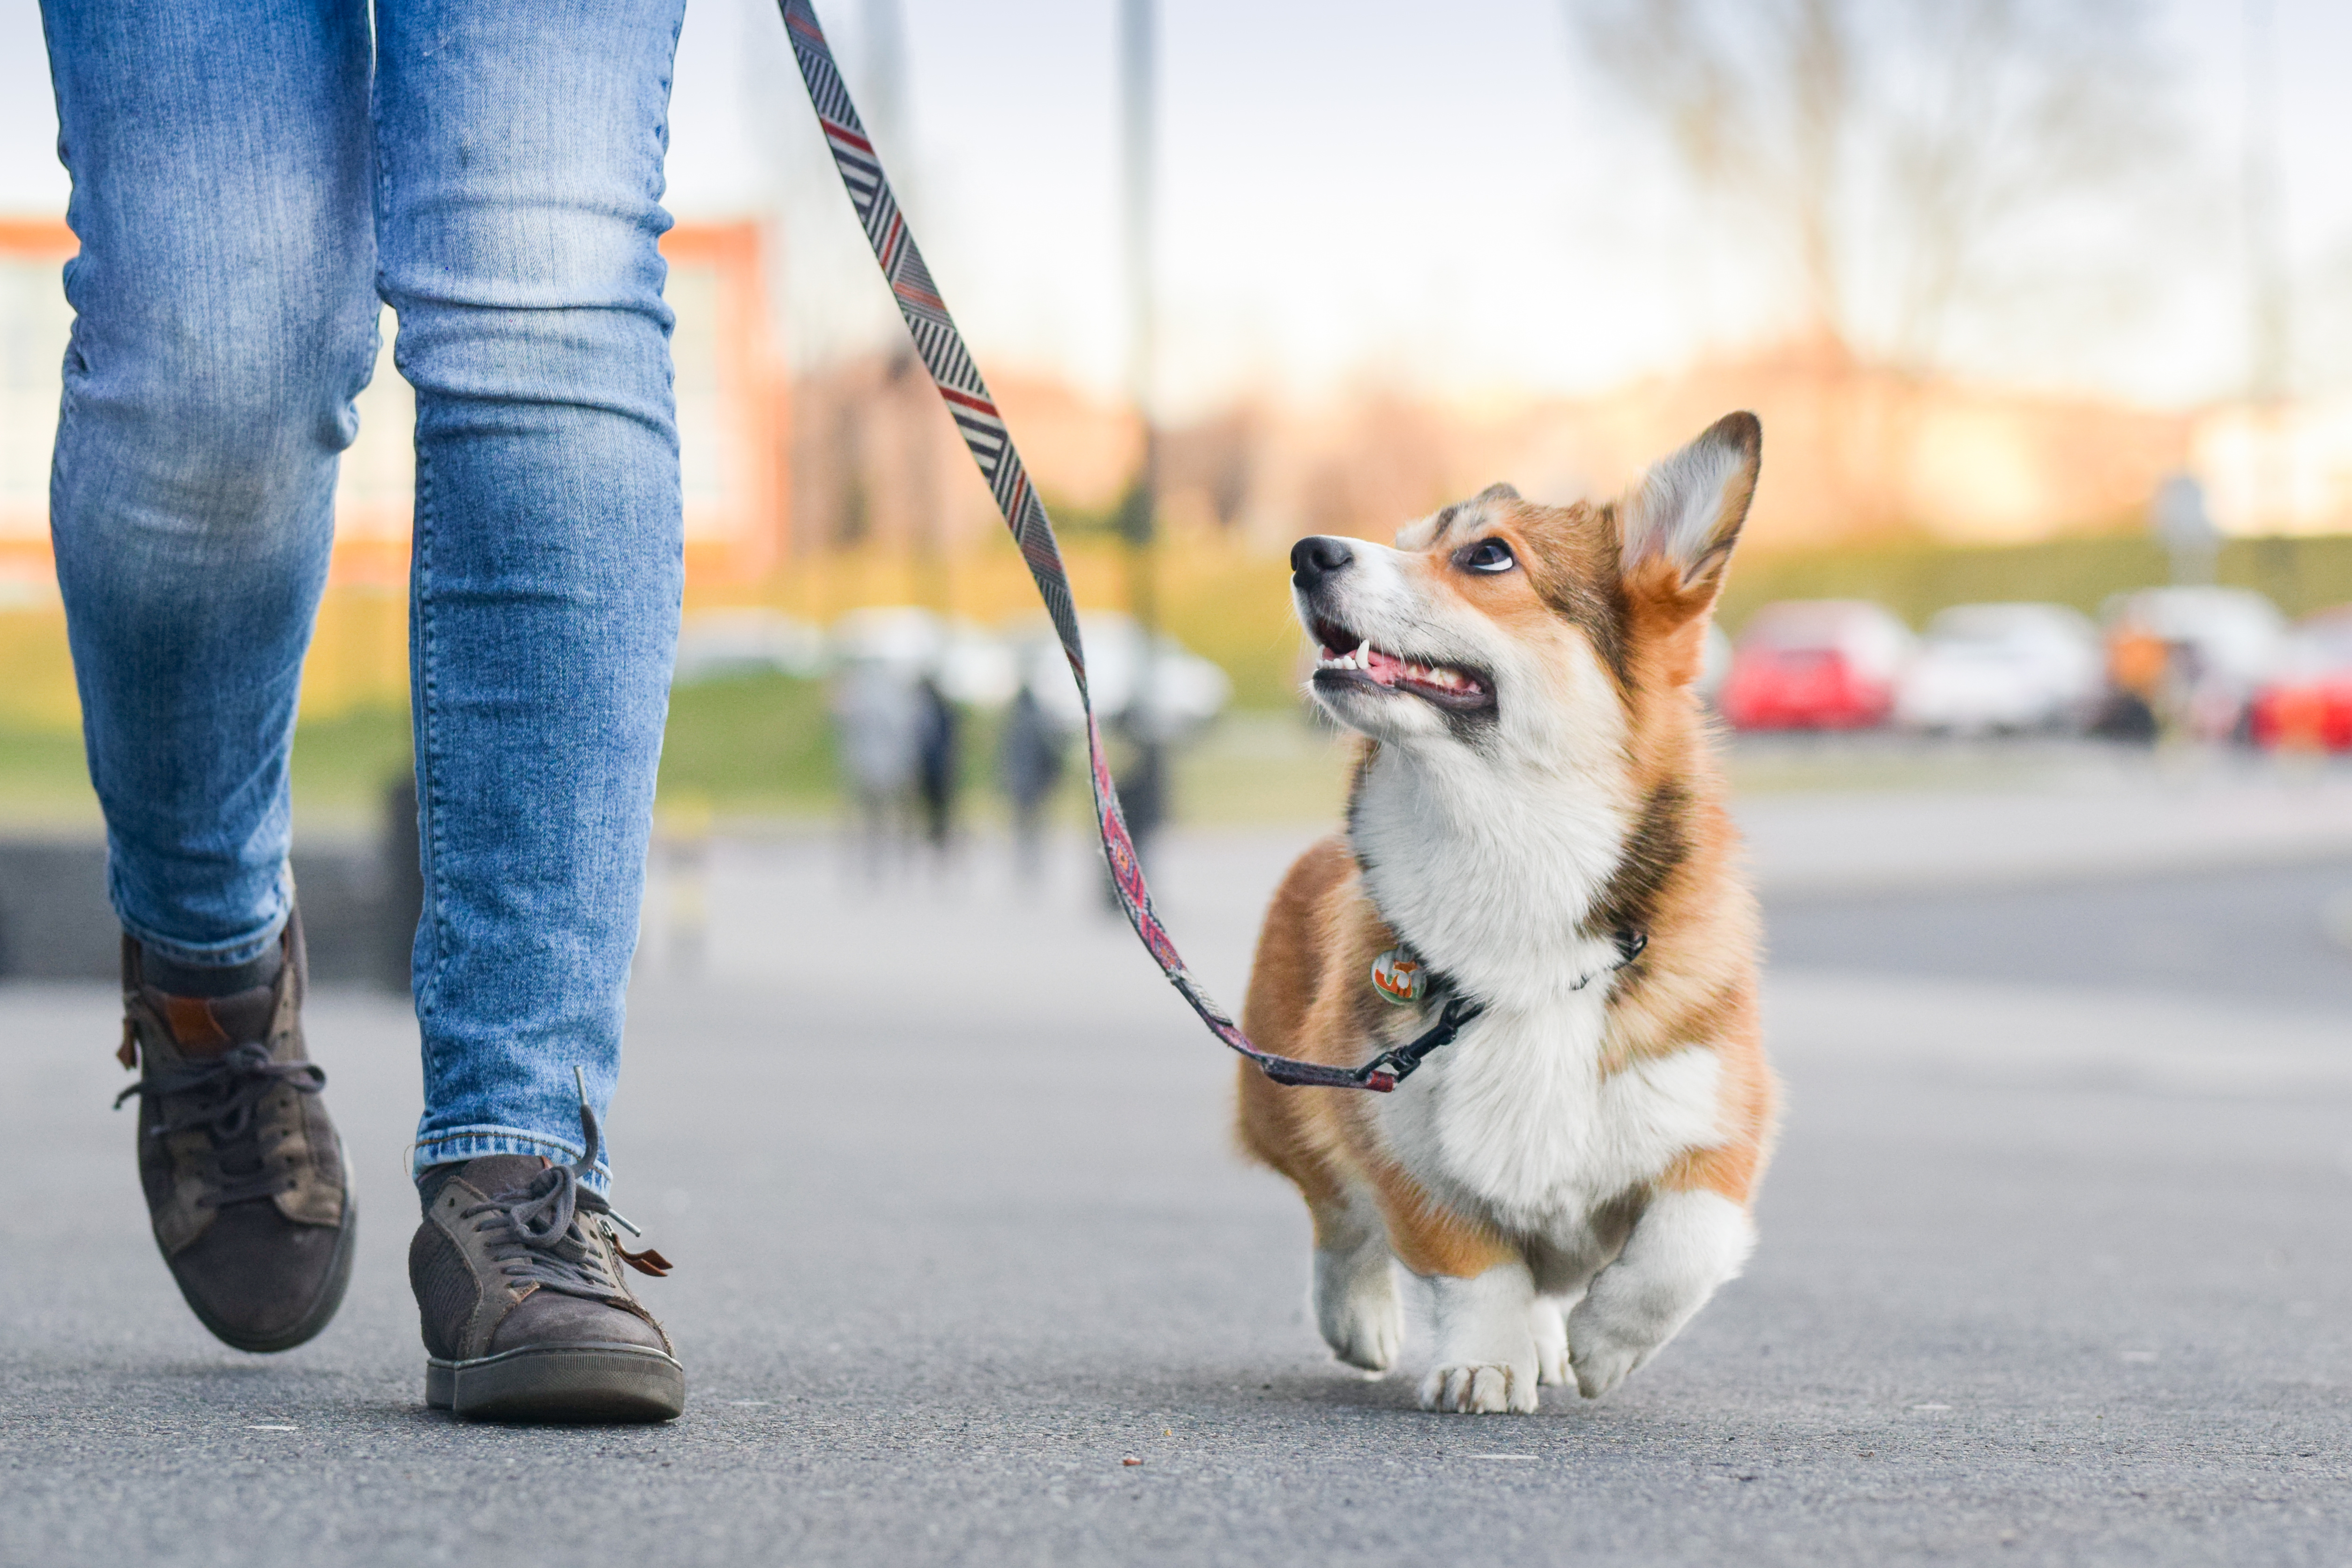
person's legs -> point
(224, 320)
(223, 323)
(520, 148)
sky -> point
(1437, 198)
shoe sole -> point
(321, 1312)
(560, 1383)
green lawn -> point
(750, 744)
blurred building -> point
(2281, 468)
(34, 322)
(877, 464)
(867, 466)
(732, 410)
(1852, 453)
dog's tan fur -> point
(1584, 592)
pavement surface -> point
(2053, 1265)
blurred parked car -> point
(714, 644)
(970, 664)
(1715, 664)
(1815, 664)
(1983, 668)
(1166, 695)
(2195, 657)
(2307, 702)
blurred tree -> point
(1891, 147)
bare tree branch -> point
(1890, 147)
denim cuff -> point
(462, 1143)
(219, 954)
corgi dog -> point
(1535, 841)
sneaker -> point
(518, 1272)
(242, 1169)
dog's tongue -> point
(1385, 667)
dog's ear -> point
(1677, 527)
(1675, 532)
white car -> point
(1168, 694)
(1983, 668)
(972, 665)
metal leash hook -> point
(942, 349)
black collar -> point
(1393, 1066)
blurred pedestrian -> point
(2136, 661)
(252, 184)
(876, 720)
(1029, 761)
(938, 761)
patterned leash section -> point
(943, 354)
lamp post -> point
(2268, 367)
(1145, 791)
(905, 384)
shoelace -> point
(222, 1098)
(545, 1242)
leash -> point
(943, 354)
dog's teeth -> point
(1363, 655)
(1432, 675)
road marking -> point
(1931, 1407)
(274, 1427)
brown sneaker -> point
(518, 1275)
(242, 1171)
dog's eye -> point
(1486, 555)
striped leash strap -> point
(966, 395)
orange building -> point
(732, 409)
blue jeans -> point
(249, 178)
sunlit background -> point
(2044, 304)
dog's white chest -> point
(1515, 1119)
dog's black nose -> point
(1317, 557)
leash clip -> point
(1393, 1066)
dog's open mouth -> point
(1345, 659)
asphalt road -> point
(2269, 935)
(2053, 1271)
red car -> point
(2307, 705)
(1815, 664)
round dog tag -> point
(1400, 977)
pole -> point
(1147, 800)
(914, 419)
(2267, 368)
(1138, 516)
(2266, 283)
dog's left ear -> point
(1677, 527)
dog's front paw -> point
(1367, 1331)
(1602, 1359)
(1356, 1306)
(1489, 1389)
